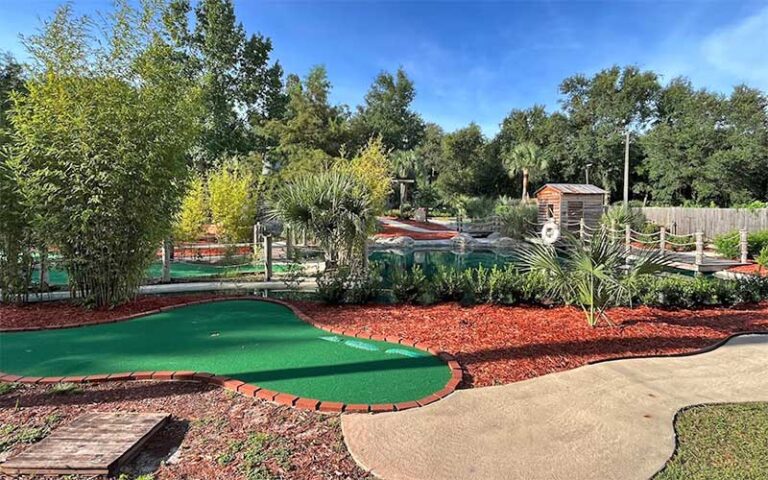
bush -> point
(102, 141)
(676, 291)
(728, 244)
(448, 284)
(411, 287)
(619, 215)
(233, 207)
(347, 284)
(405, 212)
(756, 242)
(194, 212)
(475, 207)
(516, 218)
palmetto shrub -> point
(333, 207)
(588, 274)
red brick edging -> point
(250, 390)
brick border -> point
(250, 390)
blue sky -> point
(475, 61)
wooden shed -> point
(568, 203)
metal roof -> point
(579, 188)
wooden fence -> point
(711, 221)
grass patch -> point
(11, 434)
(260, 455)
(65, 389)
(8, 387)
(720, 442)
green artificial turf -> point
(256, 342)
(720, 442)
(179, 271)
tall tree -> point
(429, 151)
(242, 88)
(468, 169)
(525, 158)
(706, 148)
(387, 112)
(11, 80)
(313, 133)
(551, 133)
(100, 144)
(602, 109)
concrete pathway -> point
(612, 420)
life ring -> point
(550, 233)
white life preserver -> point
(550, 233)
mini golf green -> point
(179, 270)
(260, 343)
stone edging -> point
(249, 390)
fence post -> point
(44, 276)
(744, 241)
(663, 239)
(256, 238)
(267, 257)
(582, 228)
(459, 223)
(289, 243)
(167, 247)
(628, 238)
(699, 248)
(303, 238)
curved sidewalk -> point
(612, 420)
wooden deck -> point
(93, 444)
(709, 264)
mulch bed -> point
(498, 344)
(751, 269)
(53, 314)
(202, 437)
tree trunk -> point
(525, 184)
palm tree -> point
(525, 158)
(593, 274)
(334, 207)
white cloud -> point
(741, 50)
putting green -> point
(179, 271)
(260, 343)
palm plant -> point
(334, 207)
(762, 260)
(525, 158)
(593, 274)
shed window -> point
(550, 210)
(575, 210)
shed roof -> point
(577, 188)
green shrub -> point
(728, 244)
(675, 291)
(233, 206)
(756, 242)
(619, 215)
(102, 141)
(405, 212)
(411, 287)
(194, 212)
(448, 283)
(516, 218)
(762, 260)
(364, 284)
(331, 284)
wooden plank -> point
(93, 444)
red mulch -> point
(751, 269)
(498, 344)
(206, 424)
(53, 314)
(387, 231)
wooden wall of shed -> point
(546, 197)
(591, 211)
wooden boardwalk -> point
(93, 444)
